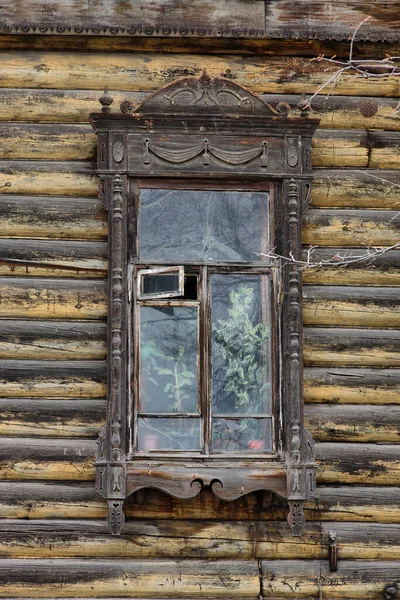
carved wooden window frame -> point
(216, 131)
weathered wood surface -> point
(148, 72)
(49, 418)
(74, 340)
(367, 188)
(347, 386)
(75, 106)
(380, 270)
(52, 299)
(352, 424)
(63, 460)
(351, 306)
(319, 18)
(54, 341)
(63, 379)
(325, 227)
(79, 417)
(129, 578)
(312, 579)
(57, 500)
(351, 347)
(55, 217)
(195, 539)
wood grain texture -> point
(148, 72)
(129, 578)
(58, 500)
(352, 386)
(304, 579)
(351, 306)
(165, 539)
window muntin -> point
(231, 417)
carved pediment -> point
(208, 96)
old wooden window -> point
(205, 185)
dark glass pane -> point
(168, 434)
(251, 435)
(168, 359)
(203, 225)
(160, 283)
(240, 346)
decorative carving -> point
(296, 455)
(106, 100)
(116, 517)
(205, 149)
(296, 517)
(292, 156)
(118, 151)
(100, 444)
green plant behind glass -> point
(241, 344)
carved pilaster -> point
(296, 517)
(116, 517)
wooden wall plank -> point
(54, 341)
(351, 347)
(163, 579)
(350, 424)
(347, 386)
(57, 500)
(351, 306)
(148, 72)
(165, 539)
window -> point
(205, 184)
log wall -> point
(53, 266)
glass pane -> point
(203, 225)
(253, 435)
(159, 284)
(168, 434)
(168, 359)
(240, 346)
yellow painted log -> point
(147, 72)
(30, 181)
(350, 276)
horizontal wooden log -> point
(53, 500)
(38, 217)
(351, 306)
(53, 258)
(52, 418)
(54, 341)
(75, 106)
(133, 578)
(56, 459)
(63, 379)
(148, 72)
(380, 269)
(331, 148)
(353, 424)
(311, 579)
(366, 188)
(352, 386)
(196, 539)
(370, 464)
(385, 150)
(52, 299)
(48, 178)
(324, 227)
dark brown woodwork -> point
(161, 138)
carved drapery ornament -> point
(190, 129)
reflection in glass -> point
(250, 434)
(168, 434)
(168, 359)
(160, 283)
(203, 225)
(240, 348)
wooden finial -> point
(106, 100)
(204, 77)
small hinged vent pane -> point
(165, 282)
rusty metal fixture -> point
(332, 552)
(106, 100)
(368, 108)
(390, 591)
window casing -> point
(204, 323)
